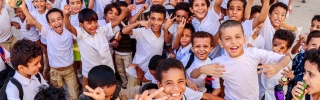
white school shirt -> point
(200, 82)
(267, 31)
(147, 46)
(173, 30)
(190, 94)
(31, 34)
(41, 18)
(59, 47)
(5, 29)
(56, 4)
(285, 2)
(94, 49)
(138, 7)
(241, 75)
(30, 6)
(258, 42)
(182, 52)
(99, 7)
(30, 87)
(224, 4)
(150, 77)
(2, 63)
(74, 20)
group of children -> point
(193, 50)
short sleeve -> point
(137, 33)
(79, 32)
(107, 30)
(13, 19)
(148, 76)
(12, 92)
(44, 31)
(192, 95)
(213, 15)
(266, 56)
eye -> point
(227, 38)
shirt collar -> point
(23, 80)
(199, 62)
(185, 49)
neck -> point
(316, 96)
(52, 1)
(157, 33)
(24, 74)
(184, 46)
(276, 27)
(200, 19)
(42, 11)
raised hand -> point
(169, 22)
(66, 10)
(145, 24)
(96, 94)
(131, 7)
(144, 7)
(145, 96)
(215, 70)
(288, 73)
(181, 25)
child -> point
(202, 45)
(240, 61)
(150, 76)
(311, 76)
(76, 6)
(50, 93)
(98, 6)
(25, 58)
(185, 42)
(7, 40)
(144, 11)
(298, 63)
(256, 40)
(150, 41)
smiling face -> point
(111, 15)
(312, 77)
(315, 25)
(157, 20)
(181, 14)
(235, 10)
(186, 37)
(109, 91)
(90, 26)
(174, 83)
(56, 21)
(19, 13)
(232, 40)
(75, 6)
(32, 67)
(277, 16)
(279, 46)
(200, 9)
(40, 4)
(201, 47)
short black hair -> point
(69, 0)
(313, 34)
(202, 34)
(192, 1)
(183, 6)
(154, 62)
(158, 9)
(23, 52)
(255, 9)
(87, 14)
(243, 1)
(168, 64)
(190, 27)
(101, 76)
(123, 4)
(50, 93)
(313, 56)
(147, 87)
(110, 6)
(51, 11)
(316, 17)
(229, 23)
(278, 4)
(284, 35)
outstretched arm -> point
(66, 13)
(123, 15)
(248, 10)
(30, 19)
(263, 14)
(91, 4)
(128, 29)
(217, 6)
(134, 18)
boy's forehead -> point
(156, 15)
(172, 74)
(279, 9)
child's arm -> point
(263, 15)
(91, 4)
(217, 6)
(210, 69)
(140, 73)
(247, 10)
(166, 26)
(66, 13)
(271, 69)
(134, 18)
(208, 96)
(290, 6)
(216, 92)
(30, 19)
(128, 29)
(176, 42)
(15, 24)
(122, 16)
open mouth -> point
(234, 48)
(58, 27)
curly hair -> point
(313, 56)
(50, 93)
(285, 35)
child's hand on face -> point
(66, 10)
(16, 25)
(145, 24)
(192, 85)
(96, 94)
(181, 25)
(145, 96)
(214, 70)
(288, 73)
(296, 91)
(169, 22)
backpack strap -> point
(18, 85)
(39, 77)
(190, 61)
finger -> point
(156, 92)
(89, 88)
(173, 19)
(163, 98)
(144, 94)
(137, 97)
(88, 94)
(170, 16)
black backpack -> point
(3, 94)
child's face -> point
(314, 43)
(157, 20)
(279, 46)
(56, 22)
(186, 37)
(90, 26)
(180, 14)
(157, 2)
(235, 10)
(315, 25)
(199, 8)
(19, 13)
(75, 6)
(174, 83)
(40, 4)
(109, 91)
(277, 16)
(201, 47)
(33, 66)
(232, 40)
(111, 15)
(312, 77)
(140, 1)
(1, 1)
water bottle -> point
(19, 2)
(305, 85)
(86, 2)
(278, 92)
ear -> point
(245, 39)
(192, 49)
(220, 43)
(81, 24)
(191, 9)
(20, 68)
(159, 84)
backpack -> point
(6, 73)
(3, 94)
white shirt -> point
(30, 5)
(240, 76)
(99, 7)
(74, 20)
(173, 30)
(138, 7)
(224, 4)
(150, 77)
(258, 42)
(200, 82)
(190, 94)
(267, 31)
(31, 34)
(285, 2)
(2, 63)
(247, 28)
(147, 46)
(30, 87)
(59, 47)
(94, 49)
(182, 52)
(5, 29)
(56, 4)
(41, 18)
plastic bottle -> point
(18, 3)
(305, 85)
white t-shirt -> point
(182, 52)
(173, 30)
(59, 47)
(224, 4)
(7, 56)
(189, 94)
(258, 42)
(150, 77)
(285, 2)
(200, 82)
(74, 20)
(56, 4)
(267, 31)
(5, 29)
(30, 6)
(41, 18)
(94, 49)
(99, 7)
(147, 46)
(240, 76)
(31, 34)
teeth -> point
(175, 94)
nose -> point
(276, 49)
(234, 12)
(175, 87)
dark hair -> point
(183, 6)
(255, 9)
(123, 4)
(24, 51)
(168, 64)
(154, 62)
(243, 1)
(87, 14)
(158, 9)
(313, 34)
(101, 76)
(147, 87)
(284, 35)
(69, 0)
(229, 23)
(202, 34)
(278, 4)
(190, 27)
(110, 6)
(192, 1)
(51, 11)
(316, 17)
(313, 56)
(50, 93)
